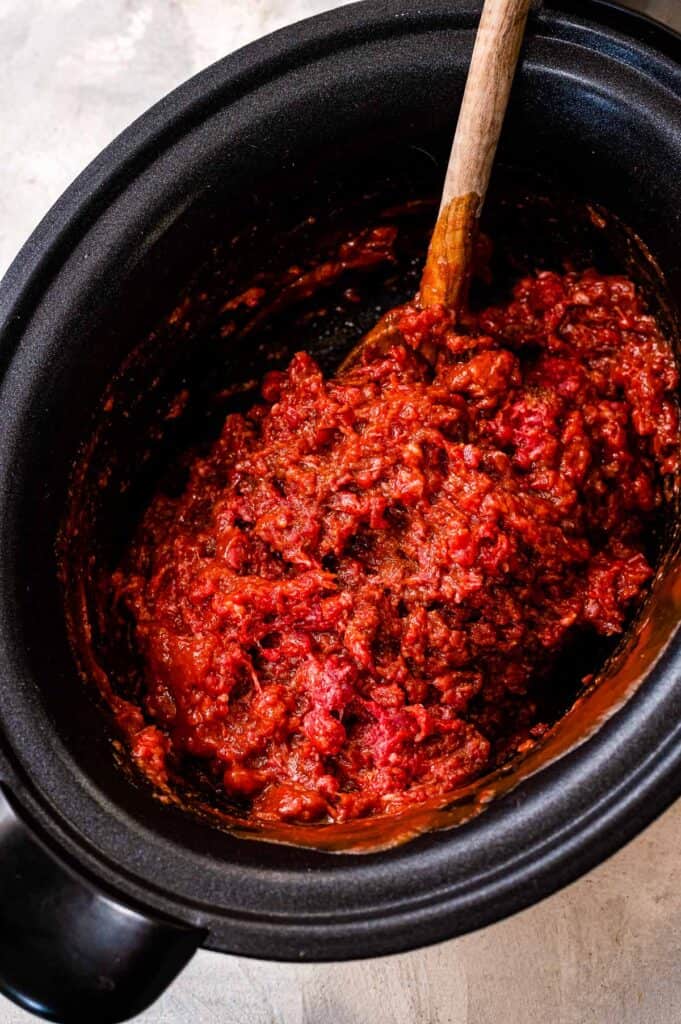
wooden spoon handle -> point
(495, 55)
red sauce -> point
(350, 606)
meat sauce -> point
(353, 604)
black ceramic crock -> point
(105, 892)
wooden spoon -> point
(446, 274)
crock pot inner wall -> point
(585, 119)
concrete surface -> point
(604, 951)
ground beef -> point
(346, 610)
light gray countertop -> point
(605, 950)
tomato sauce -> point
(365, 582)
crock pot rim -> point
(600, 831)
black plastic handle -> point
(69, 952)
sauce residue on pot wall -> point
(355, 603)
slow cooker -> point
(107, 892)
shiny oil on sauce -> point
(354, 603)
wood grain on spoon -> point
(448, 265)
(495, 55)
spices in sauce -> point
(349, 607)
